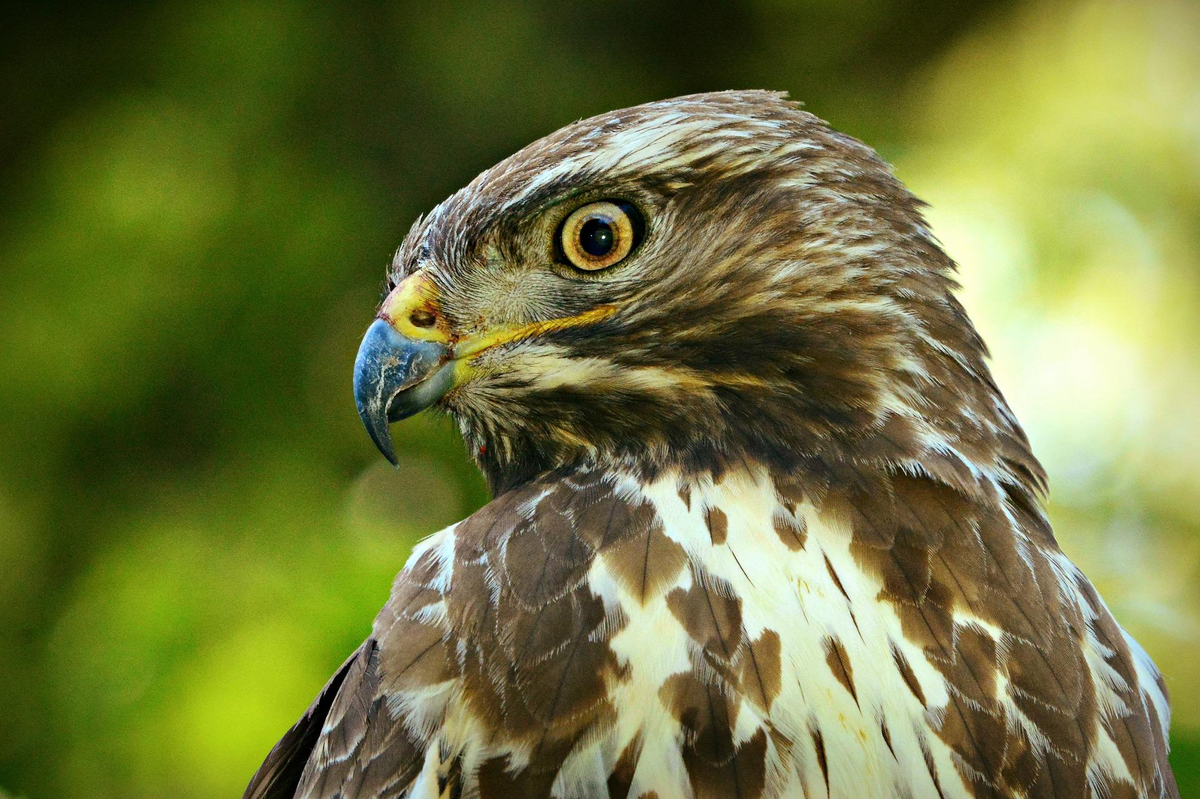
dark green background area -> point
(197, 203)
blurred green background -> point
(197, 203)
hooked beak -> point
(396, 377)
(405, 363)
(409, 358)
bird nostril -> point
(422, 318)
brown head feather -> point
(788, 302)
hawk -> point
(763, 526)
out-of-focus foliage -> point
(196, 205)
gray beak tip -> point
(390, 375)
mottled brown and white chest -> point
(597, 635)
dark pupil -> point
(596, 237)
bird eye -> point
(599, 235)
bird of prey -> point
(763, 524)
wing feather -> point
(279, 775)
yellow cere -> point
(415, 293)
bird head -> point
(685, 284)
